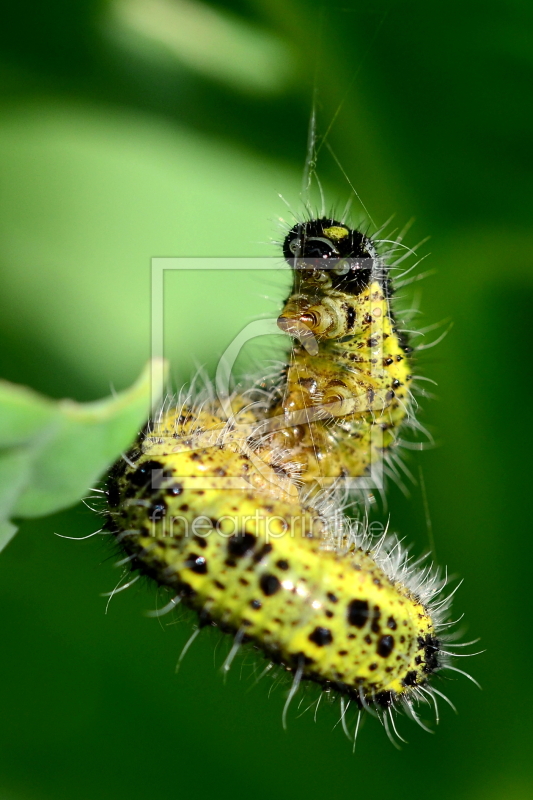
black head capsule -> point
(325, 245)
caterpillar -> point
(239, 515)
(361, 373)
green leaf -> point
(25, 414)
(51, 452)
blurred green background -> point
(139, 128)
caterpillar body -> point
(268, 554)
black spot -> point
(384, 699)
(157, 511)
(391, 623)
(300, 659)
(219, 585)
(308, 383)
(264, 551)
(329, 613)
(204, 618)
(410, 678)
(368, 639)
(282, 564)
(256, 604)
(175, 491)
(376, 616)
(241, 544)
(431, 650)
(350, 318)
(358, 613)
(372, 342)
(197, 564)
(385, 646)
(278, 469)
(113, 494)
(269, 584)
(321, 636)
(396, 383)
(200, 542)
(373, 667)
(332, 597)
(143, 475)
(388, 361)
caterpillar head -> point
(328, 253)
(333, 265)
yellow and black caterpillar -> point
(237, 513)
